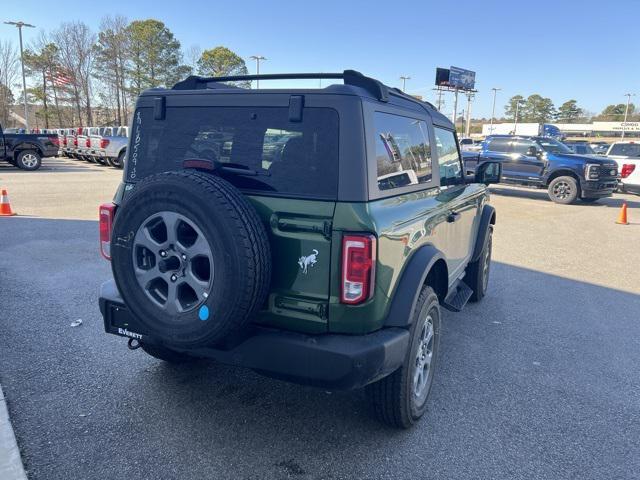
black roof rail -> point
(399, 93)
(350, 77)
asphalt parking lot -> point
(540, 380)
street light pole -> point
(257, 58)
(24, 81)
(626, 112)
(404, 82)
(493, 109)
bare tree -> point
(191, 57)
(8, 76)
(111, 60)
(76, 44)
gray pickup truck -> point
(112, 147)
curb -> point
(11, 467)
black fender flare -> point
(26, 146)
(487, 219)
(410, 285)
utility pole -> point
(626, 112)
(404, 82)
(455, 107)
(468, 126)
(24, 81)
(493, 109)
(257, 58)
(439, 99)
(515, 123)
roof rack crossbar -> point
(350, 77)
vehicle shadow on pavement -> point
(541, 194)
(57, 165)
(540, 378)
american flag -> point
(60, 78)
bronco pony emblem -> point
(308, 261)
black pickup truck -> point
(26, 150)
(544, 162)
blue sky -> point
(562, 49)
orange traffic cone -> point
(5, 206)
(622, 218)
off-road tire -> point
(564, 190)
(477, 276)
(166, 354)
(238, 246)
(392, 398)
(29, 160)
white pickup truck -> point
(627, 155)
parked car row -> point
(105, 145)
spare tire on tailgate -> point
(191, 257)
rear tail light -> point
(87, 142)
(358, 268)
(627, 169)
(104, 142)
(64, 141)
(75, 141)
(107, 212)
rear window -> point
(290, 158)
(625, 149)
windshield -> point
(626, 149)
(553, 146)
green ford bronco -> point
(311, 235)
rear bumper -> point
(630, 188)
(599, 188)
(333, 361)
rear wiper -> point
(214, 165)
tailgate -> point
(300, 237)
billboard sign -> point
(442, 77)
(461, 78)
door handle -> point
(453, 217)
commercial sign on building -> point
(616, 126)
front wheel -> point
(563, 190)
(29, 160)
(400, 399)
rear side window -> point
(625, 149)
(403, 153)
(290, 158)
(522, 146)
(448, 157)
(499, 145)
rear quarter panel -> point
(402, 224)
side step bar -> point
(458, 297)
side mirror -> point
(532, 152)
(488, 172)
